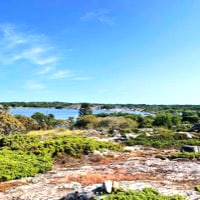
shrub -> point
(188, 155)
(145, 194)
(26, 155)
(197, 188)
(28, 123)
(87, 121)
(163, 141)
(9, 124)
(117, 123)
(18, 164)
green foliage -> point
(28, 123)
(18, 164)
(190, 116)
(197, 188)
(188, 155)
(167, 120)
(9, 124)
(87, 121)
(45, 122)
(117, 123)
(145, 194)
(163, 140)
(85, 109)
(145, 122)
(26, 155)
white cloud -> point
(32, 85)
(69, 75)
(25, 46)
(45, 70)
(79, 78)
(62, 74)
(100, 16)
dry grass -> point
(56, 131)
(94, 178)
(7, 185)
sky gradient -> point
(101, 51)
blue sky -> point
(104, 51)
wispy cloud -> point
(62, 74)
(45, 70)
(69, 75)
(79, 78)
(32, 85)
(100, 16)
(25, 46)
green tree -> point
(190, 116)
(167, 120)
(44, 121)
(85, 109)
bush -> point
(87, 121)
(117, 123)
(9, 124)
(26, 155)
(18, 164)
(28, 123)
(188, 155)
(145, 194)
(163, 141)
(197, 188)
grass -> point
(56, 132)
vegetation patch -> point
(197, 188)
(163, 141)
(145, 194)
(188, 155)
(18, 164)
(26, 155)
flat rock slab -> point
(133, 170)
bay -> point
(66, 113)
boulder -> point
(196, 128)
(115, 186)
(188, 148)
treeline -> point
(36, 104)
(143, 107)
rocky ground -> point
(136, 168)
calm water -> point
(63, 113)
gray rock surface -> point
(136, 170)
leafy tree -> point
(190, 116)
(145, 122)
(44, 121)
(85, 109)
(167, 120)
